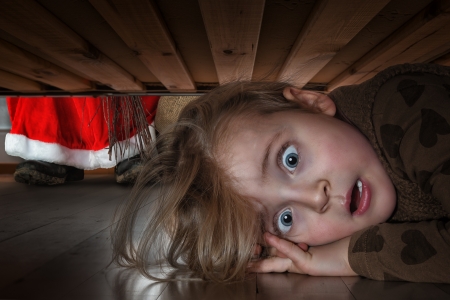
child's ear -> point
(310, 99)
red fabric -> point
(73, 122)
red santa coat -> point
(66, 130)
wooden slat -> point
(436, 53)
(142, 28)
(388, 20)
(18, 83)
(44, 31)
(443, 60)
(282, 22)
(184, 21)
(424, 24)
(84, 19)
(330, 26)
(424, 51)
(233, 28)
(23, 63)
(37, 52)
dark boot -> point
(44, 173)
(128, 170)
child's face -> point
(303, 171)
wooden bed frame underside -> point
(55, 47)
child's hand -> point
(326, 260)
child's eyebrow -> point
(265, 161)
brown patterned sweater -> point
(404, 111)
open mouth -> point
(356, 196)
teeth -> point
(359, 184)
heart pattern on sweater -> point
(417, 249)
(432, 125)
(410, 91)
(369, 241)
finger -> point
(257, 249)
(286, 248)
(271, 264)
(272, 251)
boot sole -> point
(28, 176)
(129, 176)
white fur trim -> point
(20, 145)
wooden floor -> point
(54, 244)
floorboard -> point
(22, 198)
(115, 283)
(65, 272)
(205, 290)
(48, 213)
(392, 290)
(295, 286)
(55, 244)
(29, 250)
(444, 287)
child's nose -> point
(315, 195)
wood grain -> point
(281, 24)
(206, 290)
(20, 62)
(331, 25)
(424, 51)
(28, 251)
(44, 31)
(84, 19)
(389, 19)
(430, 20)
(185, 23)
(392, 290)
(18, 83)
(295, 286)
(189, 46)
(233, 29)
(141, 27)
(443, 60)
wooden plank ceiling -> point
(56, 47)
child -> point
(356, 182)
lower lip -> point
(364, 203)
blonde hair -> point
(198, 222)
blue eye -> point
(285, 221)
(290, 158)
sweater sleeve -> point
(413, 126)
(417, 252)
